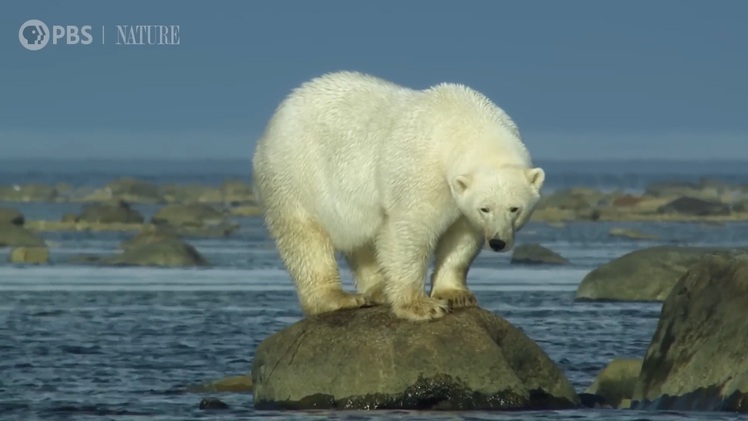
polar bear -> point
(389, 176)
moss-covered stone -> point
(642, 275)
(369, 359)
(17, 236)
(697, 358)
(166, 253)
(29, 255)
(615, 383)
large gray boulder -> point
(368, 359)
(697, 359)
(642, 275)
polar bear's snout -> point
(496, 244)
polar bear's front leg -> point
(403, 250)
(455, 252)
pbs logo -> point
(35, 34)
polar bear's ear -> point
(460, 183)
(536, 176)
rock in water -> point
(194, 219)
(615, 383)
(368, 359)
(110, 213)
(697, 359)
(535, 254)
(212, 403)
(149, 237)
(233, 384)
(11, 216)
(630, 234)
(133, 190)
(192, 215)
(166, 253)
(642, 275)
(29, 255)
(17, 236)
(696, 207)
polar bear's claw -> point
(422, 309)
(457, 298)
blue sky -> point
(583, 79)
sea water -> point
(82, 342)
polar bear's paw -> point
(457, 298)
(376, 296)
(421, 309)
(333, 300)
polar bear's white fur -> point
(390, 176)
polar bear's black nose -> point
(496, 245)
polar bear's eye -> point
(485, 210)
(513, 209)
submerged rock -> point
(212, 403)
(192, 215)
(626, 201)
(642, 275)
(697, 358)
(11, 216)
(117, 212)
(168, 253)
(133, 190)
(630, 234)
(695, 207)
(535, 254)
(590, 400)
(703, 189)
(368, 359)
(233, 384)
(85, 259)
(577, 199)
(615, 383)
(192, 193)
(149, 237)
(197, 219)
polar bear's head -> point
(498, 201)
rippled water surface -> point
(80, 342)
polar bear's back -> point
(335, 116)
(323, 142)
(342, 147)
